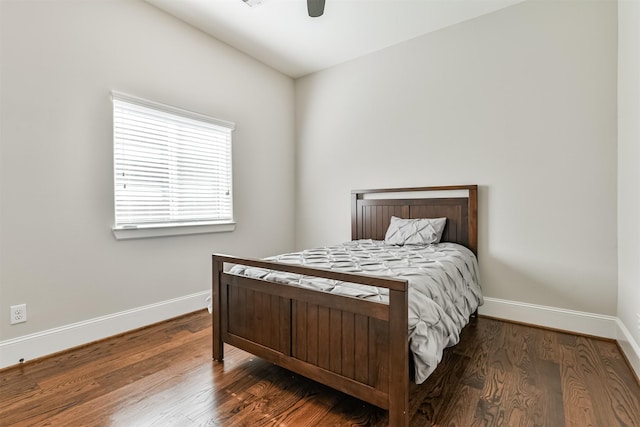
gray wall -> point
(522, 102)
(60, 60)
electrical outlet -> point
(18, 313)
(638, 321)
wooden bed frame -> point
(358, 347)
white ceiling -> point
(280, 33)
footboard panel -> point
(340, 341)
(348, 344)
(258, 317)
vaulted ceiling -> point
(281, 34)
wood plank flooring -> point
(500, 374)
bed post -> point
(473, 218)
(354, 216)
(218, 348)
(399, 357)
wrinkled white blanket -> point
(444, 289)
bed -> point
(359, 346)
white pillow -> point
(420, 231)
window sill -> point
(142, 232)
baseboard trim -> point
(54, 340)
(33, 346)
(579, 322)
(629, 347)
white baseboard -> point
(579, 322)
(29, 347)
(629, 346)
(51, 341)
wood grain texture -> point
(500, 374)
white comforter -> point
(443, 287)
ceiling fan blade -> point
(315, 8)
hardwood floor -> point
(500, 374)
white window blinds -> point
(171, 167)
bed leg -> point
(399, 360)
(218, 347)
(398, 417)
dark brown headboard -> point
(371, 212)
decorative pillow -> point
(421, 231)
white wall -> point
(60, 60)
(521, 102)
(629, 174)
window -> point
(172, 170)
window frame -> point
(145, 230)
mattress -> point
(444, 287)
